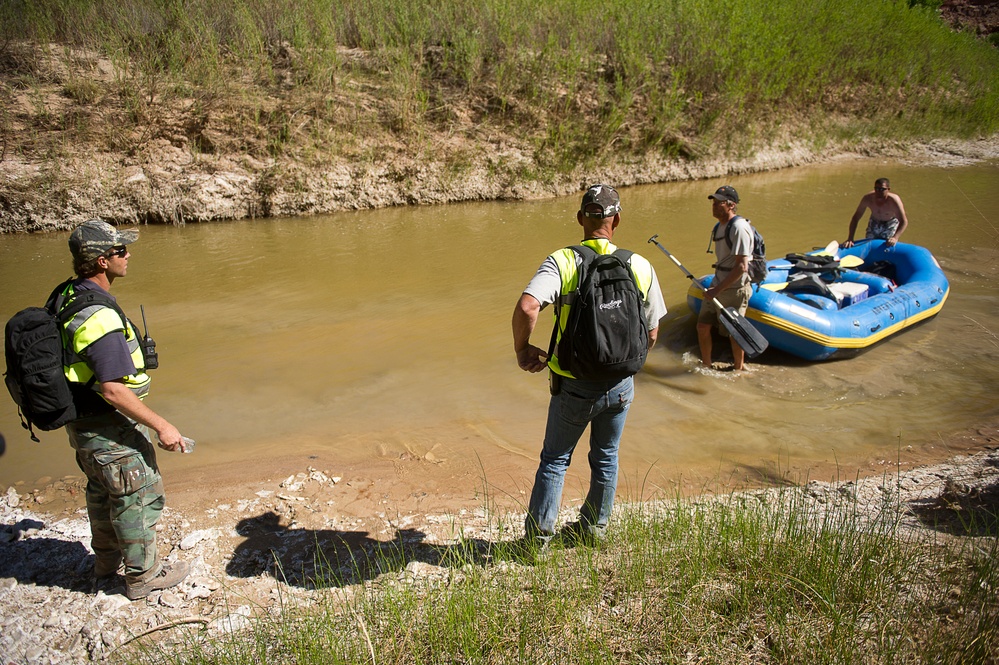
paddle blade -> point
(850, 261)
(743, 332)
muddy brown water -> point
(380, 341)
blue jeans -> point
(604, 407)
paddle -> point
(741, 330)
(831, 262)
(848, 261)
(844, 261)
(830, 249)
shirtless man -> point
(887, 214)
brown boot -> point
(171, 575)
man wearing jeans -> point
(603, 405)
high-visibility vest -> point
(565, 259)
(88, 326)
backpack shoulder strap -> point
(65, 308)
(57, 299)
(588, 255)
(625, 255)
(730, 228)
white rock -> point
(199, 592)
(109, 604)
(230, 624)
(170, 599)
(192, 539)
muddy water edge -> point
(376, 346)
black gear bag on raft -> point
(606, 337)
(35, 354)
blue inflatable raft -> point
(816, 306)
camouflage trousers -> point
(124, 493)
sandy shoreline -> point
(406, 488)
(454, 477)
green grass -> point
(767, 578)
(581, 81)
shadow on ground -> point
(325, 558)
(961, 510)
(43, 561)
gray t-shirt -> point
(742, 245)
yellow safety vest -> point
(89, 325)
(565, 259)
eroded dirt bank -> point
(167, 182)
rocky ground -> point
(258, 554)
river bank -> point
(258, 553)
(196, 113)
(167, 182)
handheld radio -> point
(152, 360)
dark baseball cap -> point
(725, 193)
(94, 238)
(604, 196)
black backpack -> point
(605, 336)
(758, 260)
(35, 357)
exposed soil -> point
(74, 146)
(978, 16)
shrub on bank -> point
(577, 80)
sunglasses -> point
(117, 251)
(881, 189)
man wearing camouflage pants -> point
(106, 370)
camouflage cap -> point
(94, 237)
(604, 196)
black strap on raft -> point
(808, 282)
(827, 267)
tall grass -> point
(580, 78)
(749, 580)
